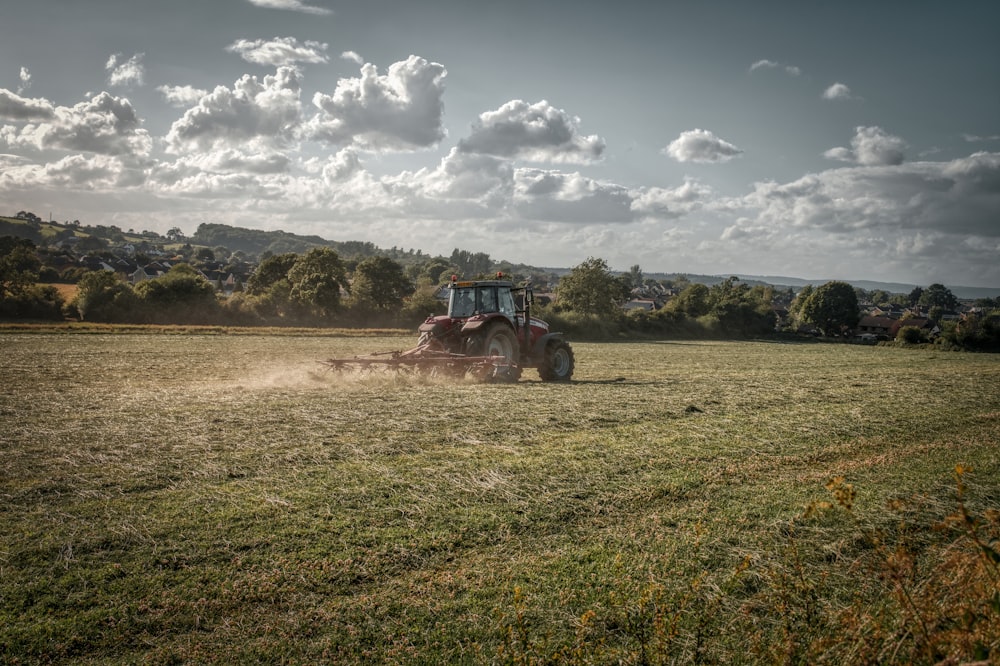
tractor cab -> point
(482, 297)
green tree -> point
(470, 264)
(316, 280)
(380, 284)
(938, 295)
(795, 309)
(590, 288)
(693, 301)
(435, 268)
(103, 296)
(270, 271)
(879, 296)
(634, 276)
(91, 244)
(833, 308)
(19, 266)
(182, 296)
(740, 309)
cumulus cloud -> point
(291, 5)
(25, 78)
(670, 203)
(701, 146)
(569, 197)
(484, 179)
(537, 132)
(267, 109)
(915, 216)
(125, 73)
(280, 51)
(402, 110)
(181, 96)
(72, 172)
(871, 146)
(956, 198)
(791, 70)
(105, 124)
(353, 56)
(17, 108)
(838, 91)
(252, 159)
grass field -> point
(217, 498)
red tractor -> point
(484, 321)
(484, 334)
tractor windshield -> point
(481, 299)
(462, 302)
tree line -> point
(320, 288)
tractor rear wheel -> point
(558, 364)
(499, 339)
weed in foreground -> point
(914, 589)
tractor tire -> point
(499, 339)
(558, 363)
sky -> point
(835, 140)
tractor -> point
(488, 332)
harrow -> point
(423, 361)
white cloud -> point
(838, 91)
(73, 172)
(871, 146)
(291, 5)
(181, 96)
(916, 216)
(25, 78)
(402, 110)
(570, 198)
(280, 51)
(670, 203)
(353, 56)
(974, 138)
(791, 70)
(105, 124)
(701, 146)
(17, 108)
(958, 198)
(267, 109)
(536, 132)
(127, 73)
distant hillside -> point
(871, 285)
(256, 241)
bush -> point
(37, 302)
(911, 335)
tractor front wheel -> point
(558, 364)
(500, 340)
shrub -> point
(911, 335)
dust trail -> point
(315, 376)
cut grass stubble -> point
(203, 498)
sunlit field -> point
(220, 498)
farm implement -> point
(484, 335)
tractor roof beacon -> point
(488, 332)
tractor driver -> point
(464, 304)
(487, 300)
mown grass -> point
(216, 498)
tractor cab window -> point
(487, 300)
(462, 302)
(507, 303)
